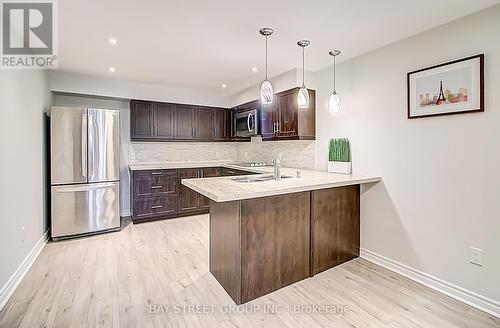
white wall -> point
(118, 88)
(282, 82)
(72, 100)
(24, 97)
(441, 177)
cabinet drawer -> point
(154, 182)
(150, 206)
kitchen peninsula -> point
(267, 234)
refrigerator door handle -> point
(91, 149)
(84, 145)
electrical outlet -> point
(475, 256)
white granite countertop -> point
(223, 189)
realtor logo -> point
(28, 34)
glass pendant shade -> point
(334, 103)
(303, 98)
(266, 92)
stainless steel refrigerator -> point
(85, 171)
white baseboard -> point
(14, 281)
(466, 296)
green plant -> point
(339, 150)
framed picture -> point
(451, 88)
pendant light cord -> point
(266, 57)
(303, 67)
(334, 73)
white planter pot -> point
(340, 167)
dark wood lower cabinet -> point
(263, 244)
(153, 206)
(208, 172)
(188, 198)
(159, 194)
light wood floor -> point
(112, 280)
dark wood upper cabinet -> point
(252, 105)
(184, 122)
(287, 114)
(281, 120)
(307, 118)
(204, 123)
(164, 121)
(141, 120)
(284, 120)
(222, 124)
(268, 119)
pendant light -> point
(334, 101)
(303, 96)
(266, 88)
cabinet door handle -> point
(155, 207)
(156, 187)
(156, 173)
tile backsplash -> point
(181, 151)
(293, 153)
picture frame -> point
(454, 87)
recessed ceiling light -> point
(112, 41)
(112, 69)
(224, 86)
(254, 69)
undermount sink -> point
(258, 178)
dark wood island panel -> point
(224, 248)
(334, 227)
(262, 244)
(274, 243)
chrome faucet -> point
(277, 169)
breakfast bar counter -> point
(266, 234)
(223, 189)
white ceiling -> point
(202, 44)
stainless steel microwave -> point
(246, 124)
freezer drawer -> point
(103, 145)
(81, 209)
